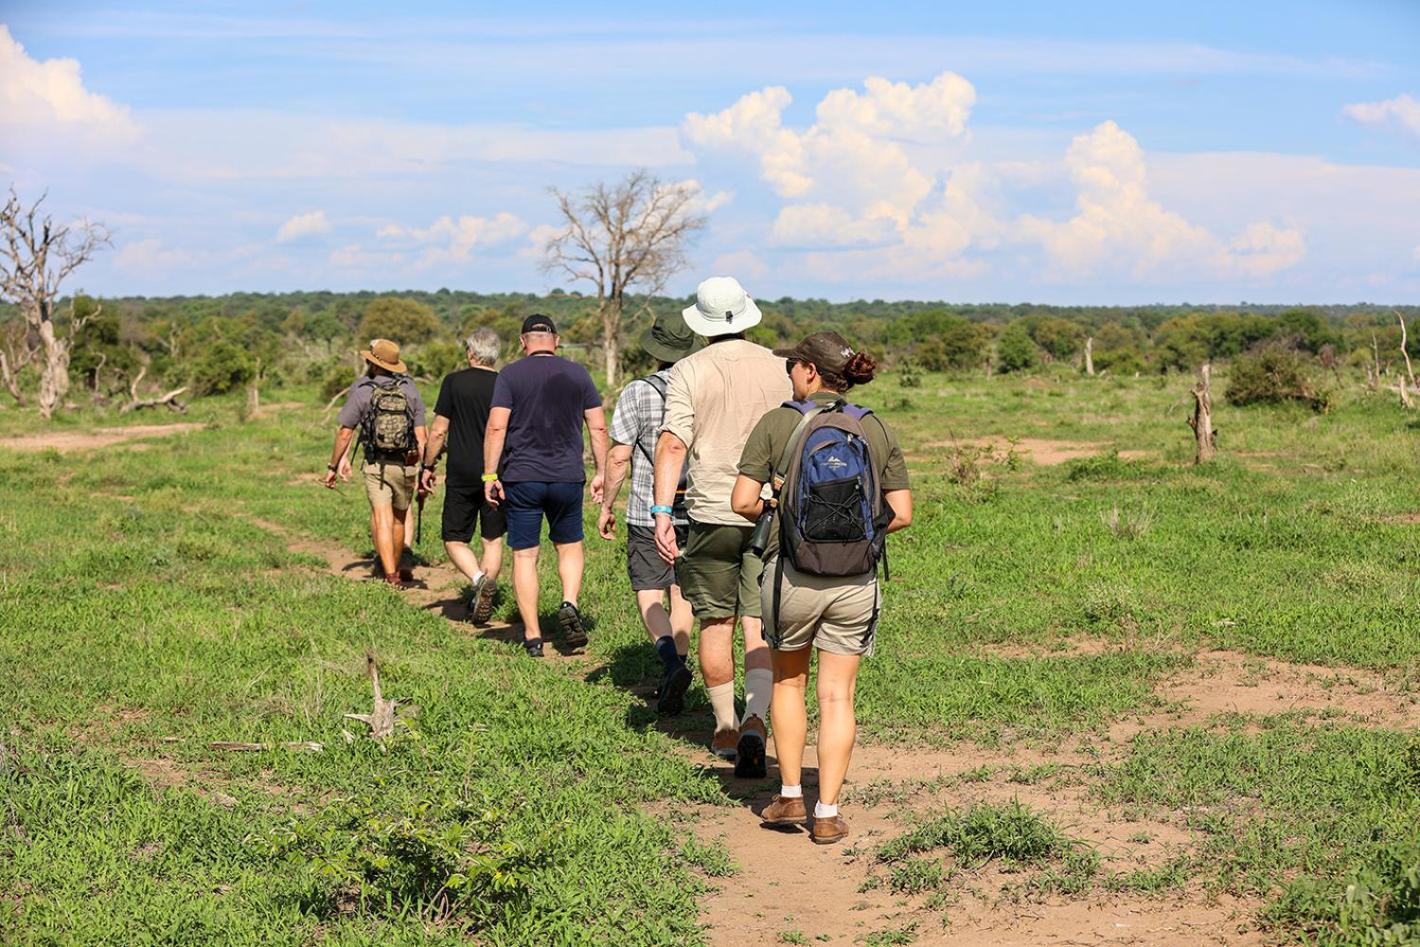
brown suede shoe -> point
(827, 831)
(782, 811)
(749, 755)
(723, 743)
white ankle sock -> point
(822, 811)
(722, 702)
(759, 687)
(791, 792)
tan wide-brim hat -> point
(383, 353)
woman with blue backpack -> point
(839, 485)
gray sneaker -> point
(574, 632)
(480, 600)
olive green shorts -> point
(717, 572)
(388, 484)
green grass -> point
(144, 614)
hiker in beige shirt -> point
(714, 399)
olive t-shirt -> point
(465, 398)
(771, 435)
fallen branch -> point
(338, 395)
(169, 399)
(309, 746)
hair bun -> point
(861, 368)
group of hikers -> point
(759, 494)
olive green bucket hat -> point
(669, 339)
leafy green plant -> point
(1274, 375)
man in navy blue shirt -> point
(532, 462)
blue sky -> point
(1073, 153)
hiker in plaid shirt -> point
(635, 426)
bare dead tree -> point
(1090, 356)
(1409, 372)
(16, 353)
(620, 236)
(36, 256)
(1202, 420)
(136, 403)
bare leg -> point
(382, 526)
(492, 559)
(682, 618)
(757, 654)
(653, 613)
(717, 651)
(789, 714)
(837, 727)
(463, 558)
(570, 563)
(397, 531)
(525, 590)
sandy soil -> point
(65, 441)
(1038, 450)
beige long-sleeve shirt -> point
(714, 399)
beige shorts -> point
(834, 614)
(390, 484)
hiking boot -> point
(670, 699)
(724, 743)
(406, 575)
(481, 600)
(533, 646)
(783, 811)
(393, 578)
(827, 831)
(749, 756)
(574, 632)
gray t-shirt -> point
(357, 403)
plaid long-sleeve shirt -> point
(636, 421)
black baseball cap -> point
(826, 351)
(537, 322)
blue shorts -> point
(529, 500)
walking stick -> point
(419, 520)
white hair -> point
(483, 346)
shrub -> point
(1273, 375)
(402, 320)
(222, 367)
(1016, 350)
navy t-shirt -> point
(547, 396)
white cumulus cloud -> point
(450, 240)
(303, 225)
(1402, 111)
(1118, 225)
(50, 95)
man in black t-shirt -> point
(461, 418)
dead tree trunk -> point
(10, 374)
(1409, 372)
(1202, 420)
(1405, 400)
(1090, 356)
(54, 379)
(253, 399)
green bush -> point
(1273, 375)
(1016, 350)
(222, 367)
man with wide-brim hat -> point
(385, 407)
(635, 425)
(714, 399)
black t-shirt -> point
(465, 398)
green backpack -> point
(389, 422)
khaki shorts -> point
(834, 614)
(718, 574)
(389, 484)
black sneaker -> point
(480, 600)
(574, 632)
(533, 646)
(749, 755)
(670, 699)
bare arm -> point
(901, 503)
(596, 427)
(493, 437)
(342, 442)
(745, 498)
(618, 461)
(437, 435)
(670, 459)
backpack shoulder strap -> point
(809, 410)
(658, 383)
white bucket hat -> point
(722, 307)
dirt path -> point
(787, 888)
(65, 441)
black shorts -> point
(463, 505)
(644, 564)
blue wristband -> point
(661, 508)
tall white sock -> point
(822, 811)
(759, 687)
(722, 702)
